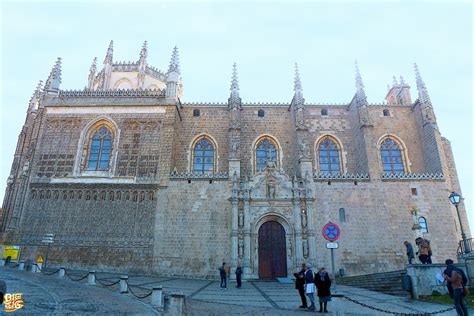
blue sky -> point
(265, 39)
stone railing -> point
(125, 66)
(412, 176)
(183, 175)
(111, 93)
(341, 177)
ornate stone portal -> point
(271, 196)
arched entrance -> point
(271, 251)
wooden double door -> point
(271, 251)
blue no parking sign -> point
(331, 232)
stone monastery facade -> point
(128, 177)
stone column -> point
(235, 221)
(298, 232)
(247, 248)
(310, 222)
(311, 231)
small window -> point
(414, 191)
(261, 113)
(324, 112)
(386, 113)
(196, 112)
(342, 215)
(423, 224)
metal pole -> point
(46, 259)
(463, 235)
(333, 269)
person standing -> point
(223, 273)
(309, 287)
(456, 281)
(238, 276)
(299, 285)
(410, 252)
(323, 283)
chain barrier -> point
(397, 313)
(105, 284)
(137, 296)
(51, 272)
(16, 265)
(79, 279)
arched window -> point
(386, 113)
(329, 160)
(196, 112)
(266, 151)
(203, 156)
(261, 113)
(99, 150)
(423, 224)
(324, 112)
(391, 154)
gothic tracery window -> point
(329, 160)
(391, 154)
(203, 156)
(100, 150)
(266, 151)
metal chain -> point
(137, 296)
(397, 313)
(51, 272)
(16, 265)
(105, 284)
(80, 279)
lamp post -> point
(455, 199)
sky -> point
(265, 39)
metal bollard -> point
(157, 298)
(62, 272)
(3, 263)
(176, 304)
(21, 266)
(91, 278)
(123, 284)
(34, 267)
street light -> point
(455, 199)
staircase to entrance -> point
(385, 282)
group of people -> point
(424, 252)
(224, 272)
(307, 283)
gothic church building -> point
(128, 177)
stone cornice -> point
(341, 177)
(184, 175)
(412, 176)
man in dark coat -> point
(223, 273)
(323, 284)
(238, 276)
(410, 252)
(299, 285)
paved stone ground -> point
(50, 295)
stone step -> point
(388, 283)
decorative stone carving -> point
(305, 249)
(241, 248)
(303, 218)
(241, 219)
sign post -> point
(331, 233)
(48, 239)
